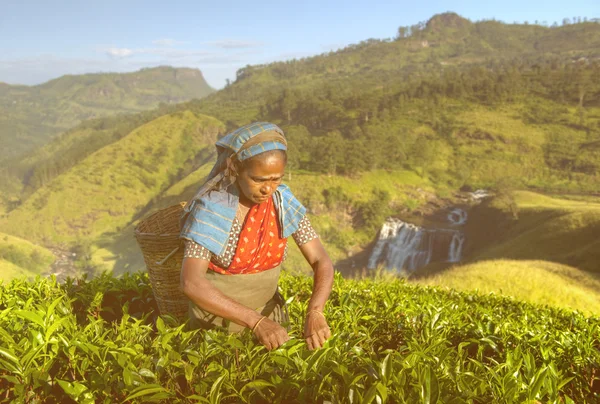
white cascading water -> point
(405, 246)
(457, 216)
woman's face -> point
(260, 177)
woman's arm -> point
(200, 291)
(316, 330)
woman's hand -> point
(271, 334)
(316, 330)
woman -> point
(235, 231)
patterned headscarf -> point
(208, 216)
(241, 144)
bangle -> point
(258, 322)
(315, 311)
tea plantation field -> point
(101, 341)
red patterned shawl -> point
(259, 246)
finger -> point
(316, 340)
(275, 343)
(323, 335)
(280, 342)
(283, 337)
(309, 343)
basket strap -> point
(161, 262)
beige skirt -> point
(257, 291)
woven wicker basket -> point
(158, 238)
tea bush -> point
(101, 340)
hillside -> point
(530, 226)
(545, 283)
(513, 94)
(20, 258)
(32, 115)
(104, 192)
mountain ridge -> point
(32, 115)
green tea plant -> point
(101, 340)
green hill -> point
(486, 98)
(31, 115)
(105, 191)
(540, 282)
(531, 226)
(20, 258)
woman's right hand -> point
(271, 334)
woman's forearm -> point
(322, 284)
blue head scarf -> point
(209, 215)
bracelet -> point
(315, 311)
(258, 322)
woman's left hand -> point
(316, 329)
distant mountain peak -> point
(443, 21)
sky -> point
(45, 39)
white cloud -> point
(163, 52)
(119, 52)
(218, 60)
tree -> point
(371, 214)
(403, 32)
(328, 152)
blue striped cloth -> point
(211, 212)
(236, 139)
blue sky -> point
(44, 39)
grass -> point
(20, 258)
(503, 123)
(11, 271)
(499, 144)
(540, 282)
(533, 200)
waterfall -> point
(457, 216)
(405, 246)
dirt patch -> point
(65, 265)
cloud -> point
(162, 52)
(119, 52)
(221, 60)
(234, 44)
(167, 42)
